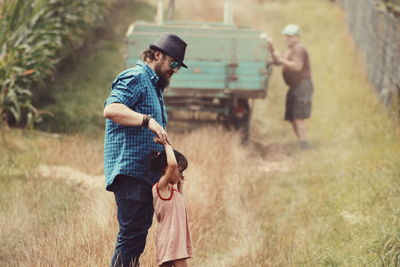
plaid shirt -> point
(126, 148)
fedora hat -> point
(172, 45)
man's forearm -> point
(121, 114)
(291, 65)
(275, 59)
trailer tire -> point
(241, 121)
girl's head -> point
(158, 162)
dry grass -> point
(216, 192)
(45, 221)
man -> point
(135, 113)
(297, 75)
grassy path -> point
(333, 205)
(336, 207)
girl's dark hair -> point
(158, 161)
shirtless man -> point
(297, 75)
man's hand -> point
(271, 46)
(277, 58)
(277, 54)
(162, 136)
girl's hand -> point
(158, 140)
(158, 130)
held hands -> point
(158, 141)
(162, 136)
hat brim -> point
(169, 53)
(290, 33)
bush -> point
(34, 36)
(391, 6)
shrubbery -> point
(34, 36)
(391, 6)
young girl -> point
(173, 242)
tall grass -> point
(82, 234)
(35, 208)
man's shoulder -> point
(132, 75)
(300, 48)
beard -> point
(164, 78)
(163, 82)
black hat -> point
(172, 45)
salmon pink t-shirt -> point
(173, 239)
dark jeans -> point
(135, 213)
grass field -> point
(265, 204)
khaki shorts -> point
(298, 101)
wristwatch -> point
(146, 119)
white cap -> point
(291, 30)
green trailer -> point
(228, 66)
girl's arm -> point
(171, 171)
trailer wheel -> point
(240, 115)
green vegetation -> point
(34, 37)
(337, 205)
(32, 205)
(391, 6)
(83, 82)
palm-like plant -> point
(34, 36)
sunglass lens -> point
(175, 65)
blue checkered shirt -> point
(126, 149)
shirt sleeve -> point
(125, 90)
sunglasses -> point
(174, 64)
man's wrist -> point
(146, 120)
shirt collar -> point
(153, 76)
